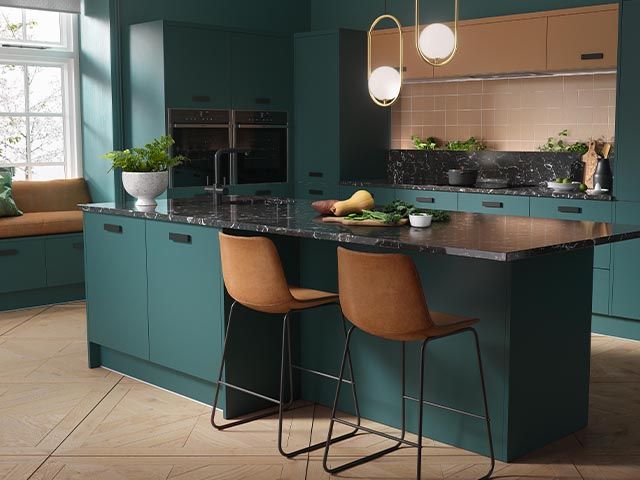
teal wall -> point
(359, 14)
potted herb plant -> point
(145, 170)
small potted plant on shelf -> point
(145, 170)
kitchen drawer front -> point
(316, 191)
(185, 298)
(116, 283)
(65, 260)
(587, 210)
(22, 263)
(429, 199)
(601, 291)
(382, 195)
(268, 189)
(494, 204)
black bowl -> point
(462, 177)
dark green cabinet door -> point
(261, 72)
(317, 111)
(65, 260)
(628, 122)
(625, 301)
(197, 67)
(22, 264)
(185, 298)
(116, 283)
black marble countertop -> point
(490, 237)
(519, 191)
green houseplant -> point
(145, 170)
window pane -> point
(12, 98)
(43, 26)
(47, 173)
(11, 23)
(13, 148)
(47, 140)
(20, 173)
(45, 89)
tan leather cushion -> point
(41, 223)
(50, 195)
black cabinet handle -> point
(592, 56)
(109, 227)
(493, 204)
(426, 200)
(201, 98)
(316, 174)
(316, 192)
(263, 192)
(263, 101)
(179, 237)
(9, 253)
(563, 209)
(77, 246)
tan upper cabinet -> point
(585, 41)
(497, 48)
(385, 51)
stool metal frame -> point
(421, 402)
(285, 365)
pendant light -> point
(385, 82)
(437, 43)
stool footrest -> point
(400, 440)
(321, 374)
(249, 392)
(444, 407)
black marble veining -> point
(418, 167)
(534, 191)
(490, 237)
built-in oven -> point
(265, 136)
(198, 135)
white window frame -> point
(66, 56)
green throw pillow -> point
(8, 207)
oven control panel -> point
(199, 116)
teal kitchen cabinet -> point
(116, 283)
(587, 210)
(317, 190)
(494, 204)
(429, 199)
(23, 264)
(262, 75)
(64, 259)
(382, 195)
(626, 162)
(185, 295)
(625, 301)
(601, 291)
(339, 133)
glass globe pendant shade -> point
(437, 42)
(385, 84)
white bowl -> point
(420, 220)
(564, 187)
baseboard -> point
(616, 327)
(41, 296)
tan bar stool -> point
(381, 294)
(255, 279)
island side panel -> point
(549, 348)
(463, 286)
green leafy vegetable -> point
(153, 157)
(431, 143)
(396, 211)
(560, 144)
(470, 145)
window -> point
(39, 137)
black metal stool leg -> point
(221, 382)
(420, 410)
(486, 406)
(351, 375)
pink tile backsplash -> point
(507, 114)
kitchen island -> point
(156, 307)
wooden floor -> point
(60, 420)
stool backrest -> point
(253, 272)
(382, 293)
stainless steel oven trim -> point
(253, 125)
(200, 125)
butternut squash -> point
(359, 201)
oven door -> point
(199, 143)
(268, 157)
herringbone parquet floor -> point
(60, 420)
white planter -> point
(145, 186)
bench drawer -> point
(429, 199)
(494, 204)
(22, 264)
(65, 260)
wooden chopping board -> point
(363, 223)
(590, 160)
